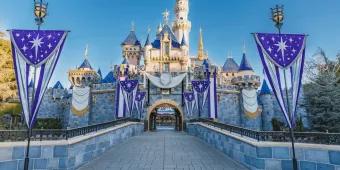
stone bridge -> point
(199, 146)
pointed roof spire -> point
(183, 43)
(230, 65)
(147, 42)
(265, 88)
(166, 15)
(133, 26)
(131, 39)
(200, 54)
(244, 50)
(58, 85)
(245, 64)
(86, 53)
(159, 29)
(100, 73)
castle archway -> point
(153, 116)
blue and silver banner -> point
(35, 55)
(282, 52)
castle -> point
(166, 72)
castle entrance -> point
(164, 114)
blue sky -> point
(104, 24)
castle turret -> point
(131, 48)
(84, 75)
(266, 102)
(181, 25)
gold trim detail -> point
(80, 113)
(252, 115)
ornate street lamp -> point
(277, 18)
(40, 12)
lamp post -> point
(40, 12)
(277, 18)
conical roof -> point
(131, 39)
(58, 85)
(100, 73)
(109, 78)
(265, 88)
(85, 64)
(244, 66)
(30, 85)
(147, 42)
(230, 66)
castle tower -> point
(131, 48)
(268, 112)
(181, 25)
(201, 54)
(84, 75)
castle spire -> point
(86, 53)
(244, 50)
(133, 26)
(200, 54)
(166, 15)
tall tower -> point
(201, 55)
(131, 48)
(182, 25)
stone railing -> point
(58, 134)
(277, 136)
(72, 153)
(244, 146)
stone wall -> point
(228, 108)
(103, 107)
(63, 154)
(268, 155)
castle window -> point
(166, 91)
(167, 49)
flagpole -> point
(277, 17)
(40, 10)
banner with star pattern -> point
(129, 90)
(189, 101)
(200, 88)
(139, 102)
(35, 53)
(278, 53)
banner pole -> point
(291, 130)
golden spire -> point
(201, 55)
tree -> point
(322, 93)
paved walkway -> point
(163, 150)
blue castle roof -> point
(265, 88)
(58, 85)
(85, 64)
(100, 73)
(230, 65)
(147, 42)
(109, 78)
(244, 66)
(166, 29)
(184, 42)
(131, 39)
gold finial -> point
(201, 55)
(166, 14)
(133, 27)
(86, 53)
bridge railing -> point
(59, 134)
(276, 136)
